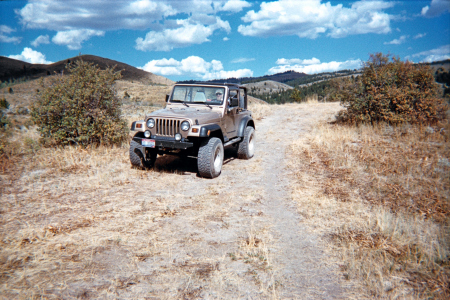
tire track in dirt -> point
(298, 267)
(303, 272)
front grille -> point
(167, 127)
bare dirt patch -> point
(80, 223)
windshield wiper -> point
(181, 101)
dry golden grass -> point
(259, 110)
(74, 215)
(312, 99)
(81, 223)
(141, 93)
(382, 195)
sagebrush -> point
(390, 90)
(81, 108)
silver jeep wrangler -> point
(199, 120)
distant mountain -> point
(11, 69)
(280, 77)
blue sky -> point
(202, 40)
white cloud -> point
(73, 38)
(68, 17)
(61, 15)
(398, 41)
(297, 61)
(226, 39)
(234, 5)
(4, 38)
(313, 66)
(42, 39)
(420, 35)
(195, 67)
(241, 60)
(309, 19)
(183, 36)
(31, 56)
(441, 53)
(436, 8)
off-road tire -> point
(138, 158)
(210, 158)
(246, 148)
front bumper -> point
(167, 143)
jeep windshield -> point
(198, 94)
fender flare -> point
(212, 128)
(247, 121)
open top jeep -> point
(199, 120)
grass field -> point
(381, 196)
(81, 223)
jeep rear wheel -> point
(210, 158)
(246, 148)
(139, 158)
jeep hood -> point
(202, 115)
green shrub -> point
(4, 104)
(81, 108)
(3, 118)
(392, 91)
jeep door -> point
(234, 113)
(230, 114)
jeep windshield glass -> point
(198, 94)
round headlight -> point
(185, 126)
(178, 136)
(150, 123)
(147, 134)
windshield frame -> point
(186, 94)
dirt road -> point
(168, 234)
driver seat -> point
(200, 97)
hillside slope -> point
(267, 86)
(14, 69)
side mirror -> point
(167, 97)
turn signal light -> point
(139, 125)
(194, 130)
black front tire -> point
(140, 157)
(210, 158)
(246, 148)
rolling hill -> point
(11, 69)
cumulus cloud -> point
(31, 56)
(88, 18)
(309, 19)
(234, 5)
(42, 39)
(60, 15)
(436, 8)
(398, 41)
(195, 67)
(73, 38)
(313, 65)
(441, 53)
(4, 38)
(187, 34)
(77, 21)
